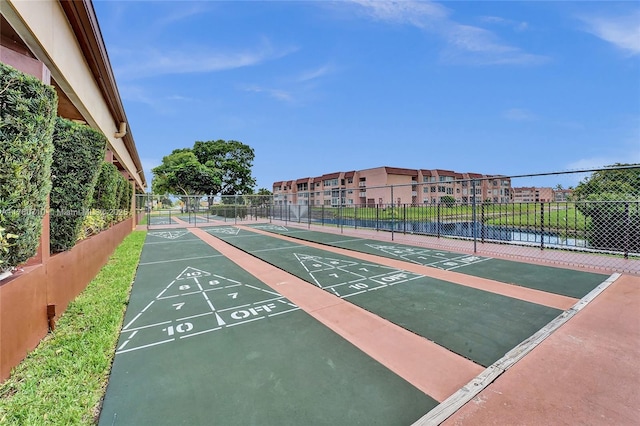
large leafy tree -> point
(234, 159)
(611, 200)
(182, 174)
(262, 197)
(210, 168)
(619, 180)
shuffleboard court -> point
(561, 281)
(204, 342)
(162, 220)
(476, 324)
(194, 218)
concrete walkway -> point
(586, 373)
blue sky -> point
(508, 87)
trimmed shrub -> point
(5, 244)
(93, 223)
(123, 198)
(229, 211)
(27, 116)
(106, 190)
(448, 201)
(78, 152)
(126, 202)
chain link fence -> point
(525, 219)
(162, 211)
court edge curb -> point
(456, 401)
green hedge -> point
(229, 211)
(123, 198)
(106, 191)
(27, 116)
(79, 151)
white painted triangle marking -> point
(220, 320)
(271, 227)
(224, 230)
(190, 272)
(169, 235)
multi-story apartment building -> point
(386, 185)
(562, 195)
(531, 194)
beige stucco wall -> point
(43, 26)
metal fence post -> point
(473, 216)
(147, 205)
(627, 226)
(541, 225)
(392, 215)
(404, 218)
(482, 226)
(438, 223)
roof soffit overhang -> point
(82, 18)
(84, 26)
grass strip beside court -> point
(561, 281)
(63, 380)
(205, 342)
(479, 325)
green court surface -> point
(161, 220)
(479, 325)
(549, 279)
(204, 342)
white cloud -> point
(315, 73)
(181, 13)
(519, 114)
(417, 13)
(133, 93)
(515, 25)
(465, 43)
(139, 94)
(152, 62)
(179, 98)
(474, 45)
(278, 94)
(623, 31)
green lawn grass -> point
(526, 215)
(143, 219)
(63, 380)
